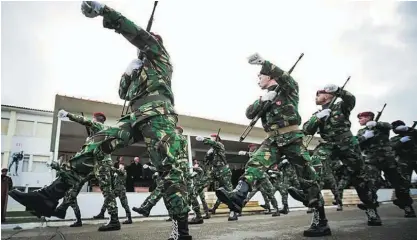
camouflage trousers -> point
(343, 179)
(288, 178)
(406, 165)
(348, 151)
(326, 173)
(198, 190)
(268, 154)
(267, 190)
(92, 160)
(70, 198)
(223, 176)
(389, 166)
(163, 145)
(120, 192)
(155, 195)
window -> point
(39, 163)
(24, 128)
(25, 163)
(43, 130)
(4, 126)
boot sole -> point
(109, 229)
(195, 223)
(374, 224)
(224, 199)
(328, 232)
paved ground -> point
(349, 224)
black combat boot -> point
(234, 199)
(232, 216)
(267, 208)
(339, 206)
(197, 219)
(112, 225)
(129, 218)
(409, 212)
(274, 203)
(373, 217)
(285, 210)
(43, 201)
(319, 226)
(310, 210)
(169, 219)
(206, 210)
(144, 210)
(216, 205)
(78, 222)
(180, 230)
(100, 215)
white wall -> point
(30, 132)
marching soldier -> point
(374, 140)
(284, 137)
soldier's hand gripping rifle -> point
(335, 98)
(266, 105)
(365, 143)
(140, 54)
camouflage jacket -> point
(200, 174)
(404, 150)
(284, 112)
(94, 128)
(338, 125)
(120, 177)
(379, 145)
(155, 77)
(217, 153)
(183, 154)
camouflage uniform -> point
(70, 199)
(220, 169)
(119, 186)
(327, 177)
(339, 143)
(266, 188)
(285, 178)
(381, 157)
(154, 197)
(284, 138)
(339, 171)
(90, 159)
(153, 117)
(405, 150)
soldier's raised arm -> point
(348, 101)
(135, 34)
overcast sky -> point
(50, 48)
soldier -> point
(154, 197)
(91, 158)
(146, 84)
(285, 178)
(220, 169)
(70, 198)
(340, 170)
(16, 158)
(405, 146)
(264, 186)
(374, 142)
(339, 143)
(284, 137)
(327, 177)
(119, 186)
(198, 176)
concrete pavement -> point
(349, 224)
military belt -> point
(135, 104)
(283, 130)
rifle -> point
(414, 125)
(140, 54)
(378, 115)
(217, 136)
(335, 98)
(266, 106)
(86, 128)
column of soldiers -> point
(146, 84)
